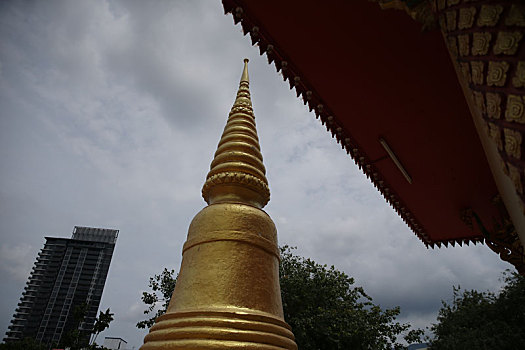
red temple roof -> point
(383, 84)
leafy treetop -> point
(483, 320)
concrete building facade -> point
(67, 274)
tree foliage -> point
(158, 299)
(101, 323)
(483, 320)
(74, 338)
(326, 310)
(321, 305)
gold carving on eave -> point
(442, 22)
(421, 12)
(515, 111)
(465, 70)
(451, 20)
(512, 143)
(495, 135)
(497, 73)
(507, 43)
(477, 72)
(481, 43)
(515, 176)
(493, 105)
(504, 167)
(478, 99)
(489, 15)
(505, 241)
(463, 42)
(519, 77)
(486, 45)
(452, 46)
(466, 17)
(516, 16)
(503, 238)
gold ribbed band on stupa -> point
(237, 172)
(227, 294)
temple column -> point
(485, 42)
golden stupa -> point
(227, 294)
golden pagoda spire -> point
(227, 294)
(237, 172)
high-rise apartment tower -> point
(68, 273)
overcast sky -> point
(110, 113)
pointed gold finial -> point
(245, 76)
(237, 173)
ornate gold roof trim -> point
(315, 103)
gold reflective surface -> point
(227, 294)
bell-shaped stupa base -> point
(227, 294)
(236, 328)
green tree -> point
(321, 305)
(326, 311)
(101, 323)
(161, 290)
(483, 320)
(75, 338)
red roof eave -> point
(433, 198)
